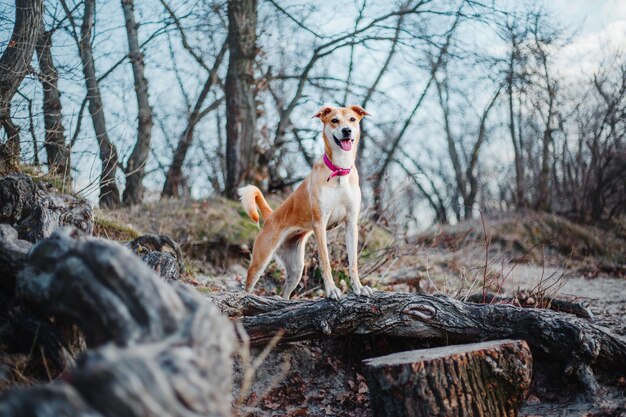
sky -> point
(597, 25)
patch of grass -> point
(216, 219)
(524, 231)
(51, 180)
(109, 228)
(374, 239)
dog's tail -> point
(252, 200)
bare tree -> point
(57, 150)
(372, 89)
(466, 178)
(389, 153)
(14, 65)
(174, 176)
(135, 166)
(543, 39)
(109, 192)
(592, 165)
(514, 34)
(240, 103)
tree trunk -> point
(14, 64)
(544, 184)
(460, 180)
(543, 194)
(109, 193)
(479, 379)
(56, 149)
(136, 165)
(174, 177)
(517, 147)
(240, 104)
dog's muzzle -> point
(345, 143)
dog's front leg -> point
(352, 238)
(320, 235)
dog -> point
(328, 196)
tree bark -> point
(479, 379)
(158, 349)
(14, 65)
(161, 253)
(13, 253)
(438, 318)
(109, 192)
(36, 211)
(240, 104)
(136, 165)
(58, 152)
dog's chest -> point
(338, 201)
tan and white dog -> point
(328, 196)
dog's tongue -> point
(346, 145)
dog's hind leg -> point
(265, 244)
(291, 254)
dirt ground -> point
(606, 298)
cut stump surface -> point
(478, 379)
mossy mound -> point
(535, 237)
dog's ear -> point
(360, 111)
(322, 112)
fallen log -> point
(529, 300)
(479, 379)
(157, 349)
(578, 344)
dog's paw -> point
(334, 293)
(364, 290)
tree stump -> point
(478, 379)
(36, 210)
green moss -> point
(112, 229)
(54, 181)
(375, 239)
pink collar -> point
(337, 171)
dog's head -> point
(341, 126)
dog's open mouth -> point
(345, 144)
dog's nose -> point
(346, 131)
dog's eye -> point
(335, 121)
(353, 119)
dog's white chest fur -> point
(338, 201)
